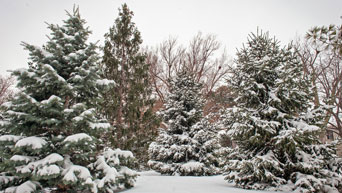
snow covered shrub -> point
(188, 145)
(275, 125)
(53, 128)
(112, 170)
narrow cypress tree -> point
(53, 128)
(129, 103)
(274, 124)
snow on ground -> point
(153, 182)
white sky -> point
(230, 20)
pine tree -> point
(129, 103)
(53, 128)
(274, 124)
(187, 146)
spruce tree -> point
(188, 145)
(52, 126)
(274, 124)
(129, 104)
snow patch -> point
(10, 112)
(127, 171)
(27, 187)
(34, 142)
(7, 104)
(104, 82)
(100, 125)
(77, 137)
(53, 71)
(22, 158)
(52, 158)
(192, 166)
(77, 77)
(44, 52)
(119, 152)
(84, 114)
(152, 182)
(304, 127)
(49, 170)
(68, 110)
(12, 138)
(44, 166)
(52, 98)
(110, 173)
(74, 172)
(7, 179)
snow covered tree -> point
(187, 146)
(52, 126)
(274, 124)
(128, 106)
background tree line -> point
(147, 70)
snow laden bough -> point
(107, 173)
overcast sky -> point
(230, 20)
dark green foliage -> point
(128, 105)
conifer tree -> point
(187, 146)
(274, 124)
(53, 128)
(129, 103)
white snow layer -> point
(52, 158)
(43, 51)
(74, 172)
(104, 82)
(100, 125)
(21, 158)
(26, 187)
(49, 170)
(43, 167)
(110, 173)
(52, 98)
(192, 166)
(34, 142)
(77, 137)
(123, 153)
(85, 113)
(304, 127)
(12, 138)
(152, 182)
(52, 70)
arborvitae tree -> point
(128, 106)
(187, 146)
(52, 125)
(274, 125)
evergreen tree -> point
(187, 146)
(129, 103)
(274, 125)
(53, 128)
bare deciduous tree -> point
(201, 57)
(5, 88)
(321, 55)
